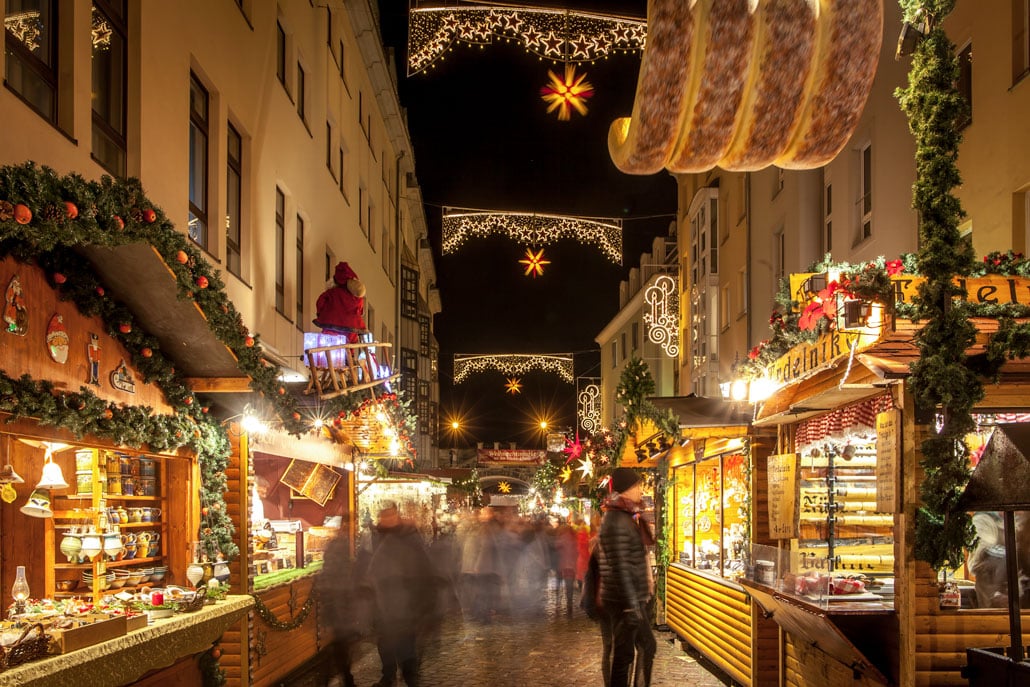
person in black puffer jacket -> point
(626, 581)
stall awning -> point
(698, 411)
(181, 328)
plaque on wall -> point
(888, 451)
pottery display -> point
(71, 545)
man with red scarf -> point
(627, 583)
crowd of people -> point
(489, 564)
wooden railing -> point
(342, 368)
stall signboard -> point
(888, 452)
(991, 288)
(782, 489)
(503, 456)
(806, 358)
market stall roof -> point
(698, 411)
(179, 325)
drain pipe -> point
(398, 235)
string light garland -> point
(552, 34)
(512, 364)
(567, 94)
(534, 263)
(662, 315)
(266, 614)
(531, 229)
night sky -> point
(482, 139)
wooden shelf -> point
(109, 497)
(110, 564)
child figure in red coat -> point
(340, 309)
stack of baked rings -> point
(744, 84)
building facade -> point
(270, 132)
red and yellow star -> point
(514, 386)
(534, 263)
(567, 94)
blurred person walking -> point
(567, 552)
(346, 614)
(400, 574)
(627, 583)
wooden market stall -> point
(718, 486)
(853, 603)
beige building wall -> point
(626, 335)
(993, 156)
(337, 147)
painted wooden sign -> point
(888, 453)
(782, 491)
(57, 339)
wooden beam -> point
(219, 385)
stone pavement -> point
(542, 649)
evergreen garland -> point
(940, 379)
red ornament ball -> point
(71, 210)
(146, 352)
(125, 327)
(249, 342)
(100, 291)
(149, 216)
(119, 222)
(282, 391)
(188, 400)
(216, 653)
(108, 414)
(22, 214)
(204, 410)
(181, 257)
(296, 416)
(202, 281)
(59, 278)
(203, 511)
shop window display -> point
(711, 496)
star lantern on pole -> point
(514, 386)
(567, 94)
(566, 473)
(586, 467)
(504, 487)
(534, 263)
(573, 449)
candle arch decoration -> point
(588, 404)
(532, 229)
(557, 35)
(663, 313)
(512, 364)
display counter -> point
(125, 659)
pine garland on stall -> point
(940, 378)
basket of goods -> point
(191, 602)
(33, 643)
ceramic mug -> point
(130, 550)
(151, 514)
(136, 515)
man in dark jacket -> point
(400, 573)
(626, 581)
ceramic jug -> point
(71, 545)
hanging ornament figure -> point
(514, 386)
(534, 263)
(567, 94)
(93, 356)
(16, 315)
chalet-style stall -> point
(853, 603)
(717, 483)
(105, 445)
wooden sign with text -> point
(888, 452)
(783, 496)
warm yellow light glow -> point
(738, 390)
(761, 389)
(543, 424)
(534, 263)
(875, 319)
(568, 94)
(455, 424)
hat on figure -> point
(624, 479)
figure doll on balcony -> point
(340, 308)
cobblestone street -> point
(539, 650)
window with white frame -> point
(199, 151)
(705, 308)
(865, 199)
(234, 202)
(110, 83)
(280, 251)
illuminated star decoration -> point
(534, 263)
(503, 487)
(568, 94)
(566, 473)
(573, 449)
(586, 467)
(514, 386)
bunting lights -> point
(512, 364)
(588, 404)
(553, 34)
(532, 229)
(661, 316)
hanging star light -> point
(574, 449)
(513, 364)
(552, 34)
(586, 467)
(532, 229)
(534, 263)
(568, 94)
(504, 487)
(566, 473)
(514, 386)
